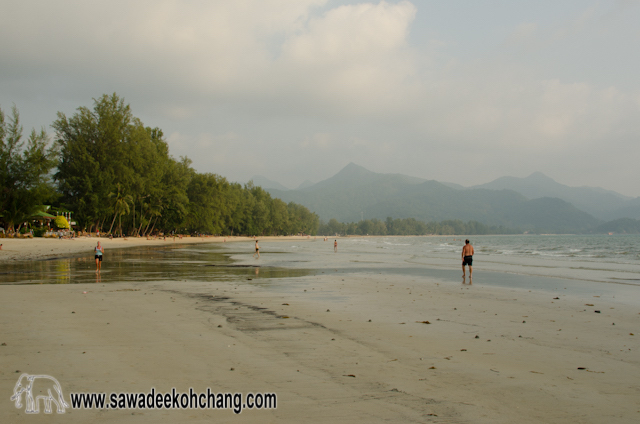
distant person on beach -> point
(257, 250)
(335, 245)
(99, 250)
(467, 258)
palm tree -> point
(120, 207)
(142, 206)
(154, 210)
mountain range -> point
(536, 203)
(601, 203)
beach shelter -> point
(42, 216)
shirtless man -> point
(257, 250)
(467, 258)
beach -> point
(335, 347)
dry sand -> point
(349, 348)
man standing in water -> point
(99, 251)
(467, 258)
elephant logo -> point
(42, 387)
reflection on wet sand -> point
(63, 271)
(204, 263)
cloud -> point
(523, 33)
(311, 80)
(348, 34)
(321, 141)
(352, 60)
(294, 57)
(181, 142)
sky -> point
(294, 90)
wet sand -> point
(334, 348)
(48, 248)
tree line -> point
(410, 226)
(117, 175)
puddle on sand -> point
(202, 263)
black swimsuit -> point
(468, 260)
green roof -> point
(43, 215)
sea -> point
(601, 265)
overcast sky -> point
(458, 91)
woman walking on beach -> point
(99, 250)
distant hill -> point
(620, 226)
(601, 203)
(453, 185)
(266, 183)
(630, 210)
(305, 184)
(355, 193)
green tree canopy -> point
(25, 181)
